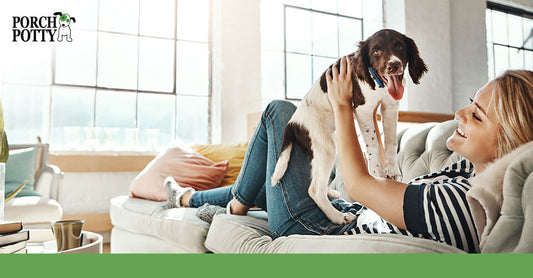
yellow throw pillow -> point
(234, 153)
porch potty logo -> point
(43, 28)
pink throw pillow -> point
(189, 169)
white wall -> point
(236, 67)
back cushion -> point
(21, 165)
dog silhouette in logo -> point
(64, 26)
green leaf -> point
(17, 191)
(4, 146)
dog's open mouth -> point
(394, 85)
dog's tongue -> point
(395, 87)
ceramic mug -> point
(68, 234)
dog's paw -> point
(348, 218)
(395, 177)
(392, 174)
(334, 193)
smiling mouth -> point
(461, 133)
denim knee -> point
(280, 110)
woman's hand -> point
(340, 85)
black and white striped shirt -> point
(435, 207)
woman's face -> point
(476, 137)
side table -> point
(42, 241)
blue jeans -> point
(290, 209)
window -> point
(300, 39)
(509, 38)
(135, 76)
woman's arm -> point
(385, 197)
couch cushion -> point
(19, 167)
(187, 167)
(246, 234)
(33, 209)
(179, 226)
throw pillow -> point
(21, 165)
(234, 153)
(188, 168)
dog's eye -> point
(376, 53)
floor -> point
(106, 248)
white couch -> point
(142, 226)
(38, 211)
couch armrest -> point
(48, 181)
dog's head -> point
(388, 52)
(64, 19)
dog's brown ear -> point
(417, 67)
(362, 63)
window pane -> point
(114, 112)
(298, 75)
(325, 42)
(298, 30)
(373, 10)
(320, 65)
(115, 109)
(76, 61)
(117, 61)
(27, 63)
(72, 114)
(490, 58)
(193, 20)
(324, 5)
(350, 8)
(156, 113)
(501, 59)
(349, 35)
(528, 33)
(515, 31)
(192, 76)
(370, 27)
(25, 108)
(156, 66)
(499, 27)
(119, 16)
(528, 60)
(157, 18)
(272, 75)
(516, 59)
(85, 13)
(192, 119)
(488, 23)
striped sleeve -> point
(438, 210)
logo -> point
(43, 28)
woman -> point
(434, 206)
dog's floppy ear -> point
(73, 19)
(362, 63)
(417, 67)
(58, 13)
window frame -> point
(175, 92)
(509, 10)
(311, 55)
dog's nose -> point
(393, 66)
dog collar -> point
(376, 78)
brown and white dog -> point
(378, 68)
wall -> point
(236, 67)
(451, 38)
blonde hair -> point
(513, 103)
